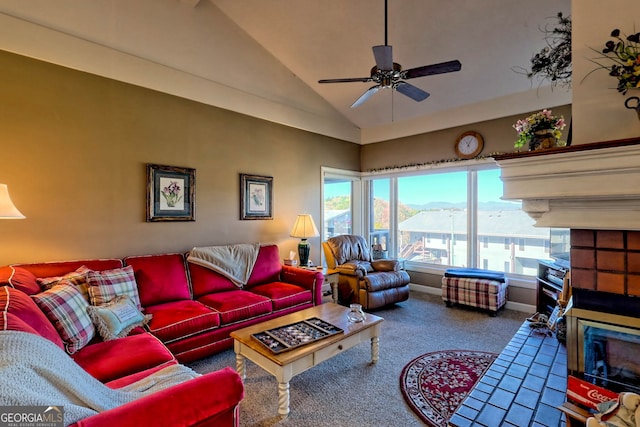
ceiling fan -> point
(388, 74)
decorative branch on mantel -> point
(553, 62)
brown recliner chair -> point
(362, 280)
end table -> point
(330, 281)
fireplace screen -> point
(608, 355)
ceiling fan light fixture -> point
(389, 74)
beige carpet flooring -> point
(347, 390)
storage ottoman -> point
(473, 287)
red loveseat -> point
(193, 311)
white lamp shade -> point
(304, 227)
(7, 208)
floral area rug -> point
(435, 384)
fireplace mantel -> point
(587, 186)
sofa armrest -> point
(308, 279)
(210, 399)
(386, 265)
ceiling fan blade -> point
(384, 57)
(411, 91)
(372, 90)
(429, 70)
(347, 80)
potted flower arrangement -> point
(540, 130)
(624, 56)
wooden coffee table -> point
(288, 364)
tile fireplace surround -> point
(606, 261)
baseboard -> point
(519, 306)
(511, 305)
(425, 289)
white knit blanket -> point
(235, 262)
(34, 371)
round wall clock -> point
(469, 145)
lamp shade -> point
(7, 208)
(304, 227)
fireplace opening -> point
(602, 351)
(611, 356)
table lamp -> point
(7, 208)
(303, 228)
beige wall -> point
(74, 149)
(499, 136)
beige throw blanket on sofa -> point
(235, 262)
(34, 371)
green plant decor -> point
(538, 122)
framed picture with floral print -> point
(256, 197)
(171, 193)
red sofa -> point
(193, 311)
(122, 361)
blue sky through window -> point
(443, 187)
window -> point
(340, 205)
(379, 213)
(337, 208)
(499, 219)
(433, 203)
(453, 217)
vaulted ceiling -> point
(265, 57)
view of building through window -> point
(337, 208)
(380, 213)
(507, 238)
(433, 228)
(437, 229)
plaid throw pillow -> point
(108, 284)
(66, 309)
(76, 278)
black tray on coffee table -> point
(288, 337)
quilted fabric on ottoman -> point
(488, 294)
